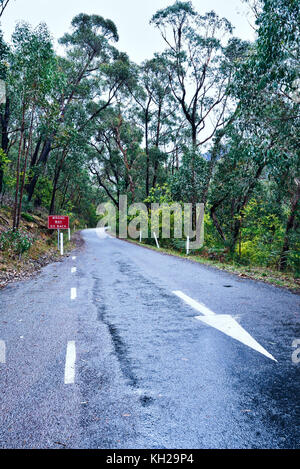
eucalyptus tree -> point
(277, 62)
(116, 157)
(199, 74)
(194, 62)
(4, 109)
(105, 163)
(262, 148)
(267, 87)
(278, 54)
(30, 79)
(153, 108)
(93, 69)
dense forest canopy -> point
(210, 119)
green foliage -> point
(160, 194)
(3, 57)
(27, 217)
(211, 119)
(16, 242)
(189, 182)
(43, 191)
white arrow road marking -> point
(73, 293)
(70, 363)
(73, 270)
(194, 304)
(224, 323)
(229, 326)
(2, 352)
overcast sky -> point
(137, 37)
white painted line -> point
(73, 270)
(70, 363)
(224, 323)
(194, 304)
(2, 352)
(73, 293)
(73, 258)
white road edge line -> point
(70, 363)
(224, 323)
(2, 352)
(73, 293)
(73, 270)
(194, 304)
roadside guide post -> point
(69, 234)
(188, 245)
(156, 239)
(140, 236)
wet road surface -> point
(101, 351)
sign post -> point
(61, 244)
(59, 222)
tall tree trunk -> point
(64, 194)
(147, 151)
(4, 138)
(215, 218)
(54, 189)
(156, 164)
(42, 161)
(289, 226)
(36, 152)
(18, 171)
(55, 181)
(24, 168)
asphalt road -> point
(108, 356)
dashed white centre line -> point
(73, 270)
(73, 258)
(2, 352)
(73, 293)
(70, 363)
(224, 323)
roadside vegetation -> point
(211, 119)
(24, 251)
